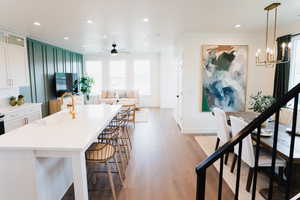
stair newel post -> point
(201, 180)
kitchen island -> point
(41, 160)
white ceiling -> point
(122, 20)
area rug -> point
(207, 143)
(141, 115)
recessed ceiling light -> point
(90, 21)
(146, 20)
(237, 26)
(104, 36)
(36, 23)
(66, 38)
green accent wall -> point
(44, 60)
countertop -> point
(8, 109)
(60, 132)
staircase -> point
(219, 155)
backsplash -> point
(5, 94)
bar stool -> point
(101, 153)
(123, 140)
(124, 117)
(112, 132)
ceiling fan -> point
(115, 51)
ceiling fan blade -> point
(123, 50)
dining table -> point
(283, 145)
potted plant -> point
(85, 84)
(259, 103)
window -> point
(295, 62)
(117, 74)
(94, 70)
(142, 76)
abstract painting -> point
(224, 77)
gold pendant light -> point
(270, 58)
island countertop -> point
(60, 132)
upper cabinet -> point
(17, 66)
(3, 72)
(13, 61)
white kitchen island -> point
(41, 160)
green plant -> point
(85, 84)
(259, 103)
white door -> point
(179, 96)
(16, 65)
(3, 72)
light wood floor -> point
(162, 165)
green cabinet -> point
(43, 61)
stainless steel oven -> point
(2, 128)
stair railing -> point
(238, 140)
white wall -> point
(168, 78)
(259, 78)
(148, 101)
(5, 94)
(292, 28)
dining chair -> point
(223, 129)
(248, 152)
(286, 116)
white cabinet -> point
(17, 67)
(19, 116)
(13, 61)
(3, 71)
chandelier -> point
(269, 57)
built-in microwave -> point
(2, 128)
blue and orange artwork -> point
(224, 77)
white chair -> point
(248, 152)
(223, 129)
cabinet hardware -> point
(26, 120)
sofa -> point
(124, 97)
